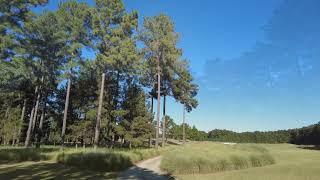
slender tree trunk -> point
(39, 135)
(35, 116)
(36, 110)
(158, 107)
(151, 104)
(65, 114)
(97, 131)
(21, 119)
(183, 126)
(7, 111)
(164, 121)
(150, 139)
(28, 135)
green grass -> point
(292, 163)
(50, 163)
(13, 155)
(105, 159)
(49, 170)
(208, 157)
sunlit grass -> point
(292, 163)
(106, 159)
(102, 159)
(208, 157)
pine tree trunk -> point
(28, 135)
(183, 126)
(39, 135)
(21, 119)
(7, 112)
(151, 104)
(97, 131)
(36, 111)
(150, 139)
(35, 116)
(164, 122)
(65, 114)
(158, 107)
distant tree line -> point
(309, 135)
(305, 135)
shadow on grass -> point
(317, 147)
(14, 155)
(103, 162)
(48, 170)
(143, 174)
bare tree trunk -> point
(21, 119)
(28, 136)
(36, 110)
(65, 114)
(183, 126)
(150, 141)
(97, 131)
(7, 111)
(151, 104)
(164, 121)
(158, 107)
(39, 135)
(35, 116)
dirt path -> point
(148, 169)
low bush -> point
(213, 157)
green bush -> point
(213, 157)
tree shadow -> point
(15, 155)
(97, 161)
(49, 170)
(315, 147)
(136, 172)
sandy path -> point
(148, 169)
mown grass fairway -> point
(292, 163)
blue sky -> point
(256, 62)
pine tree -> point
(117, 58)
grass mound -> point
(212, 157)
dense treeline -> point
(305, 135)
(50, 92)
(281, 136)
(309, 135)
